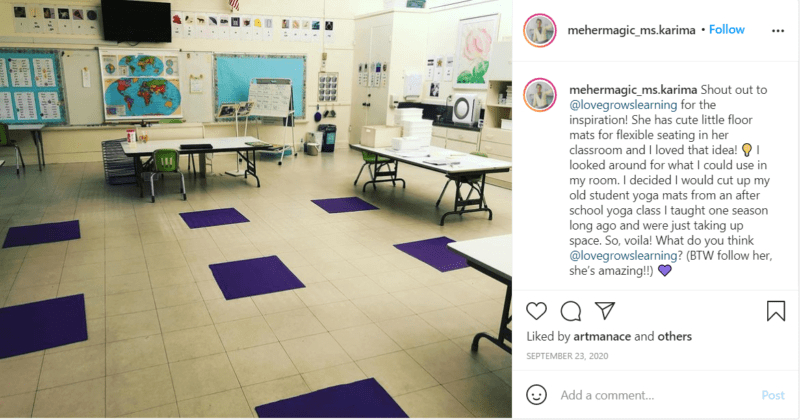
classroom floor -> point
(164, 342)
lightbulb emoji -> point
(747, 148)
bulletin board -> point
(31, 88)
(233, 73)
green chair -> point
(474, 182)
(374, 163)
(165, 161)
(5, 141)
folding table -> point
(491, 256)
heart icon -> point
(536, 309)
(664, 269)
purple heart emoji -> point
(664, 269)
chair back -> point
(4, 137)
(166, 160)
(372, 158)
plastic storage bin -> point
(379, 135)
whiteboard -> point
(273, 97)
(85, 101)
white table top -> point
(493, 254)
(221, 144)
(26, 127)
(466, 161)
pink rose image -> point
(477, 45)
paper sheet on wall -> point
(201, 26)
(224, 26)
(247, 28)
(64, 21)
(429, 68)
(6, 106)
(305, 29)
(286, 33)
(295, 30)
(330, 32)
(92, 21)
(36, 21)
(448, 68)
(188, 25)
(177, 24)
(3, 74)
(195, 84)
(26, 105)
(43, 72)
(78, 15)
(438, 69)
(48, 106)
(21, 22)
(316, 30)
(213, 27)
(267, 23)
(50, 16)
(236, 27)
(20, 71)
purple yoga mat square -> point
(42, 234)
(42, 325)
(258, 276)
(362, 399)
(434, 252)
(208, 218)
(344, 205)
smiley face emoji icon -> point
(536, 394)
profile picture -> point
(540, 30)
(540, 95)
(19, 12)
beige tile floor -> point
(163, 342)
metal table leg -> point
(463, 203)
(37, 142)
(250, 165)
(504, 334)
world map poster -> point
(140, 85)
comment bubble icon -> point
(571, 311)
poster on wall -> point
(177, 24)
(224, 26)
(247, 28)
(64, 21)
(20, 18)
(140, 84)
(213, 27)
(329, 32)
(285, 31)
(36, 21)
(50, 17)
(93, 21)
(78, 15)
(201, 26)
(316, 30)
(448, 68)
(474, 50)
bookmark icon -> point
(606, 308)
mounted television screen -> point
(136, 21)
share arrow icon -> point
(606, 307)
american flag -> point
(234, 4)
